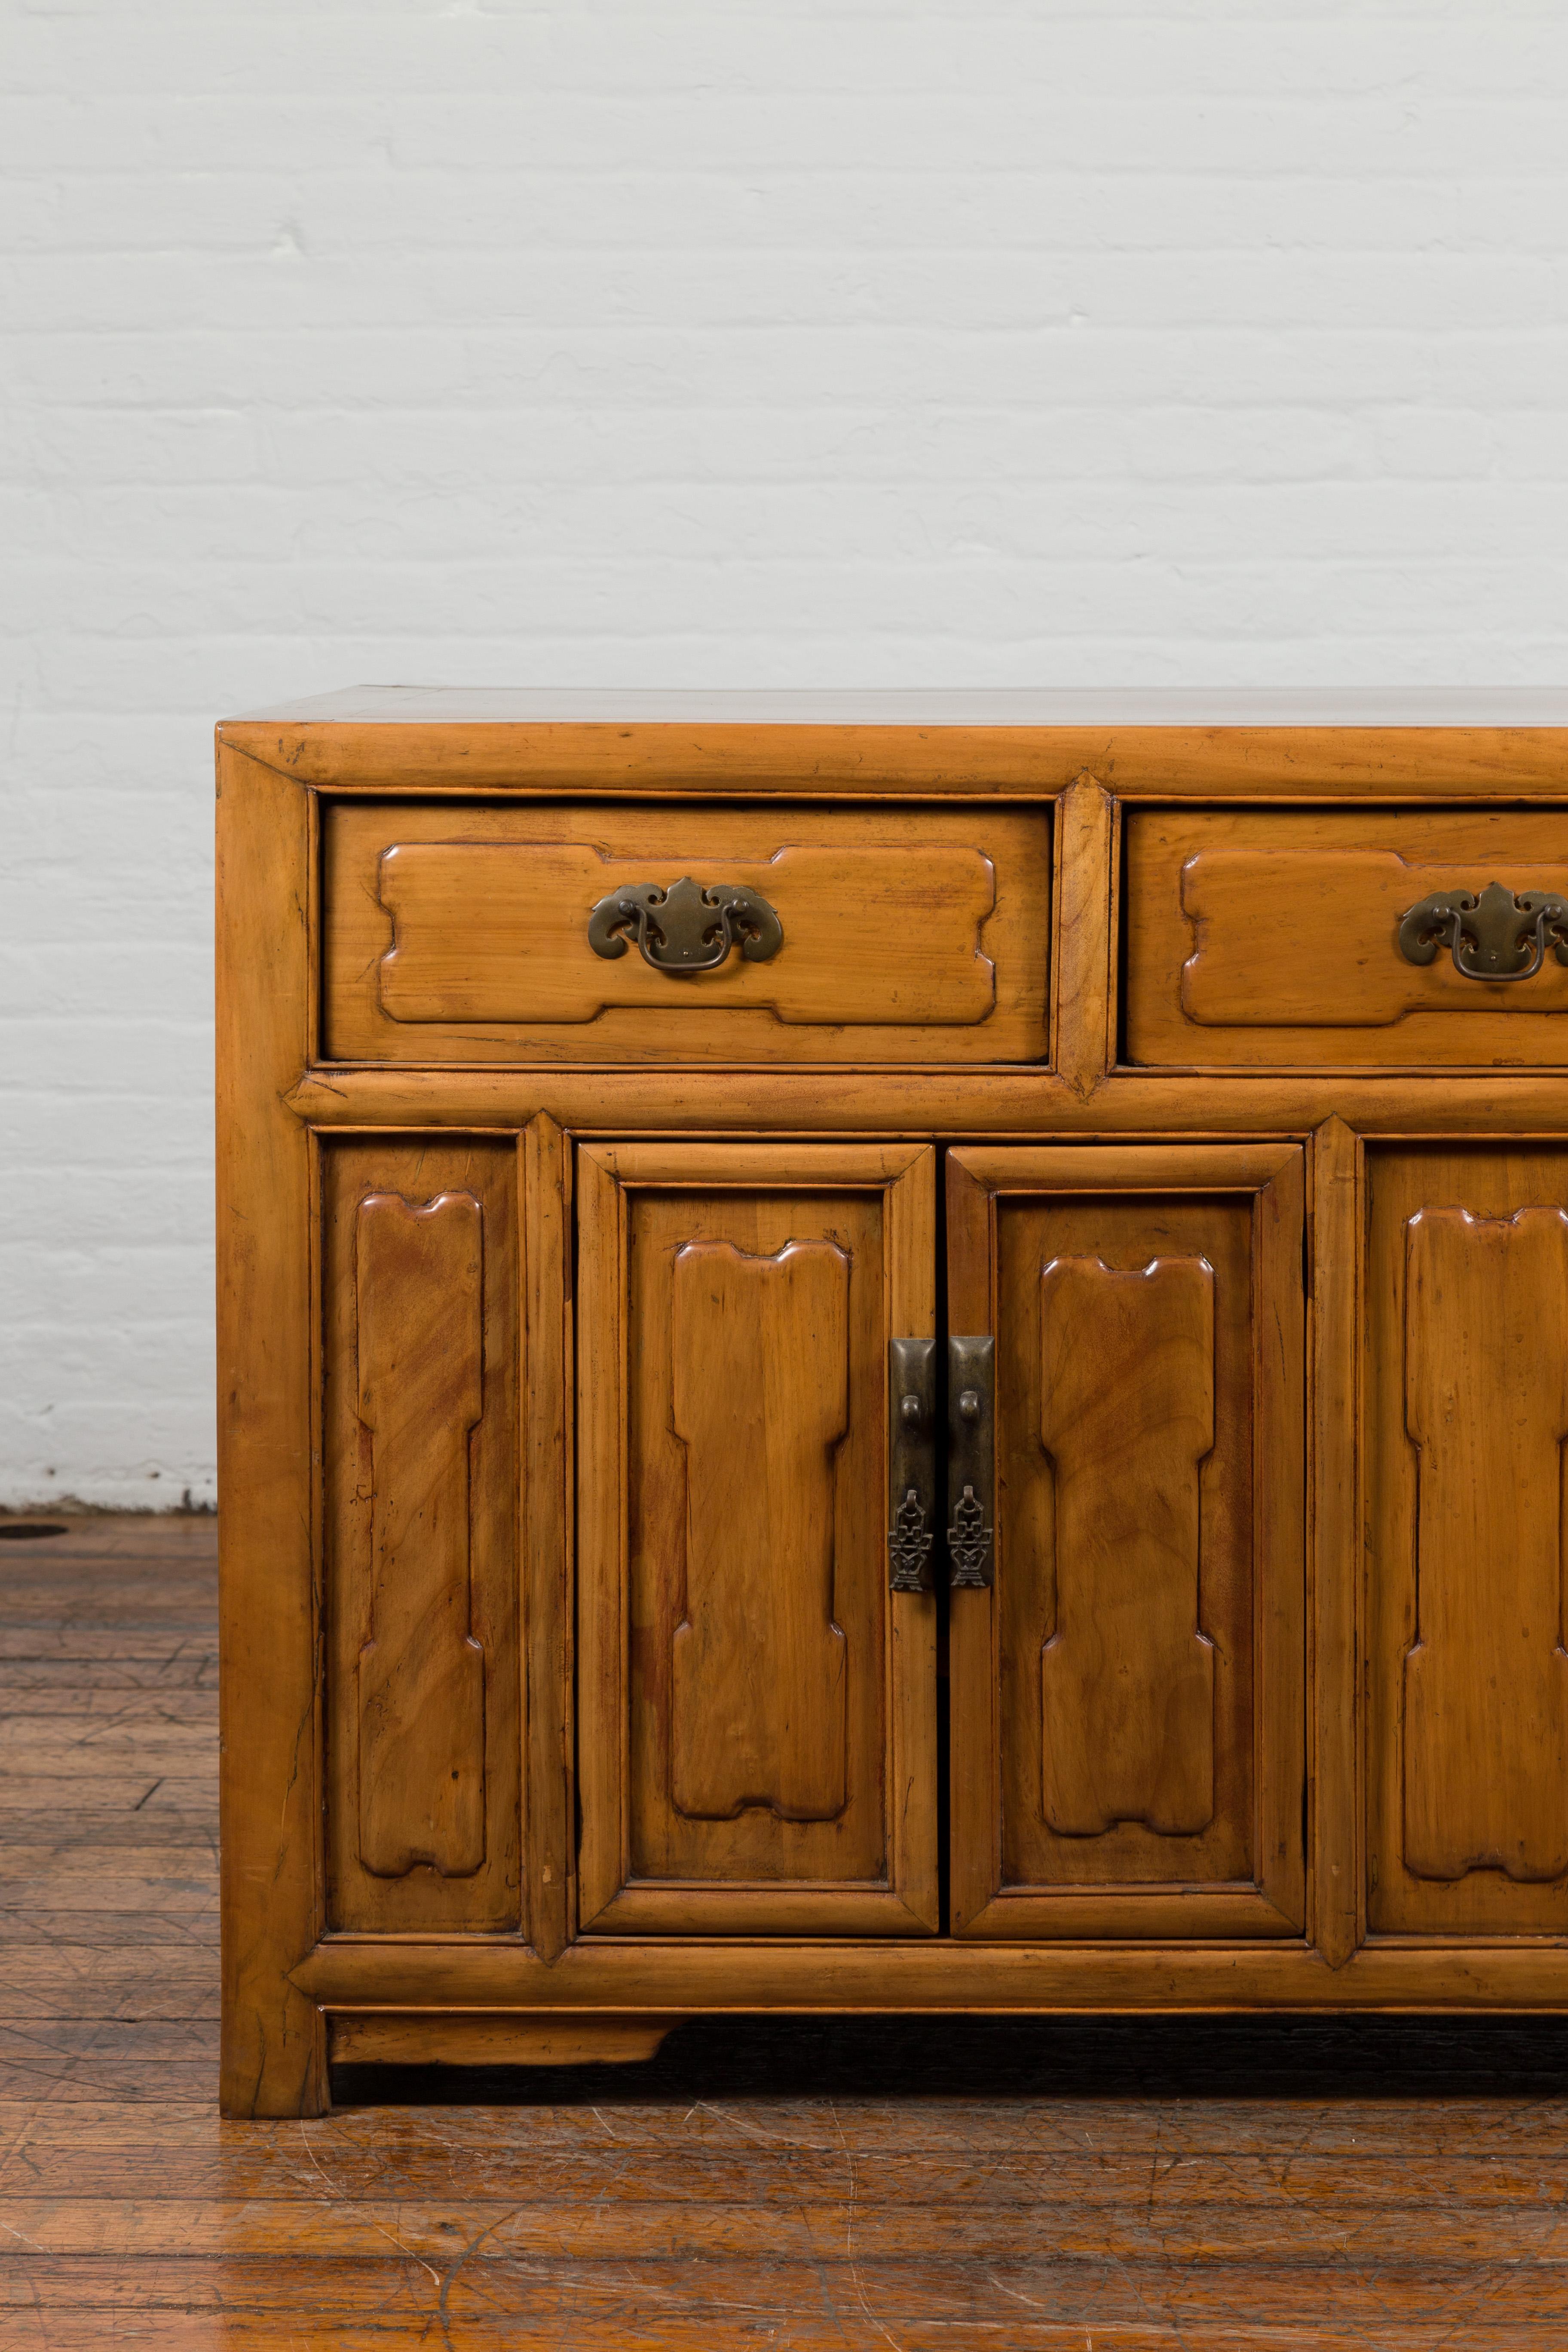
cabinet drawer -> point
(1264, 936)
(556, 932)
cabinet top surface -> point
(1465, 707)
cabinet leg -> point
(274, 2059)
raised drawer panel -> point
(465, 933)
(1258, 936)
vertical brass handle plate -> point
(1491, 934)
(912, 1463)
(971, 1458)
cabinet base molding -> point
(656, 1986)
(413, 2037)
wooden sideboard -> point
(884, 1361)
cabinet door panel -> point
(1127, 1719)
(1127, 1422)
(1467, 1405)
(421, 1343)
(752, 1694)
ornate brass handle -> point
(1494, 936)
(971, 1457)
(912, 1463)
(686, 929)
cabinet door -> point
(447, 1646)
(757, 1726)
(1467, 1415)
(1127, 1708)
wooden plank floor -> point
(1121, 2186)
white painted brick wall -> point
(776, 342)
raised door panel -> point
(1467, 1414)
(1277, 936)
(756, 1729)
(569, 932)
(421, 1363)
(1128, 1739)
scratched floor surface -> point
(1211, 2185)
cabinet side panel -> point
(421, 1298)
(274, 2052)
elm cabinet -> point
(879, 1364)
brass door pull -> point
(971, 1458)
(912, 1465)
(687, 928)
(1494, 935)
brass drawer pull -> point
(912, 1465)
(1496, 935)
(686, 929)
(971, 1459)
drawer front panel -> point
(1270, 937)
(468, 934)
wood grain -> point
(273, 1892)
(420, 1333)
(743, 1700)
(1127, 1419)
(757, 1665)
(549, 1828)
(1083, 993)
(422, 1401)
(1467, 1409)
(1485, 1680)
(1261, 936)
(1335, 1549)
(463, 935)
(1236, 2184)
(1061, 1727)
(389, 754)
(960, 1105)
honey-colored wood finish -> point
(462, 934)
(1334, 1549)
(756, 1725)
(1127, 1699)
(1258, 936)
(1084, 1021)
(497, 2038)
(274, 2057)
(554, 1303)
(422, 1588)
(1467, 1414)
(549, 1830)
